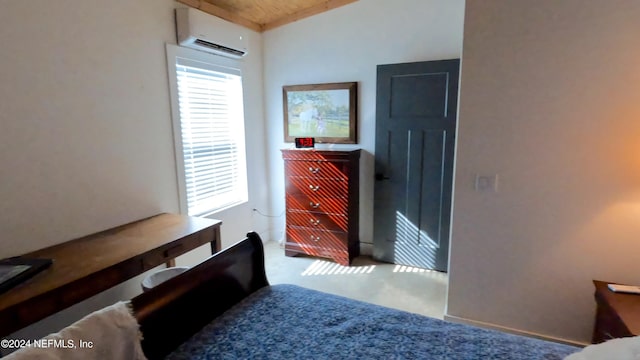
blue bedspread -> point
(290, 322)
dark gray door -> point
(416, 111)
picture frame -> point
(326, 112)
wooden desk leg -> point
(215, 246)
(216, 243)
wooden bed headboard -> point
(173, 311)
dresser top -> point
(354, 151)
(320, 155)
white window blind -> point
(212, 136)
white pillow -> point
(614, 349)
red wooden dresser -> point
(322, 198)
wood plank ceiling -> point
(262, 15)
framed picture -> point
(326, 112)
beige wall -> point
(85, 127)
(550, 101)
(85, 121)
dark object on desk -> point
(617, 314)
(16, 270)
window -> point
(208, 117)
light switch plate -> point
(486, 183)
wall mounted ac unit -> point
(201, 31)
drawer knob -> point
(315, 238)
(314, 188)
(315, 222)
(313, 170)
(315, 206)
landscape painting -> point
(326, 112)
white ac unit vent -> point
(201, 31)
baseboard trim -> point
(460, 320)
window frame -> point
(210, 62)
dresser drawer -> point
(319, 155)
(338, 254)
(316, 187)
(317, 221)
(310, 238)
(329, 205)
(317, 169)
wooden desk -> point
(89, 265)
(617, 314)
